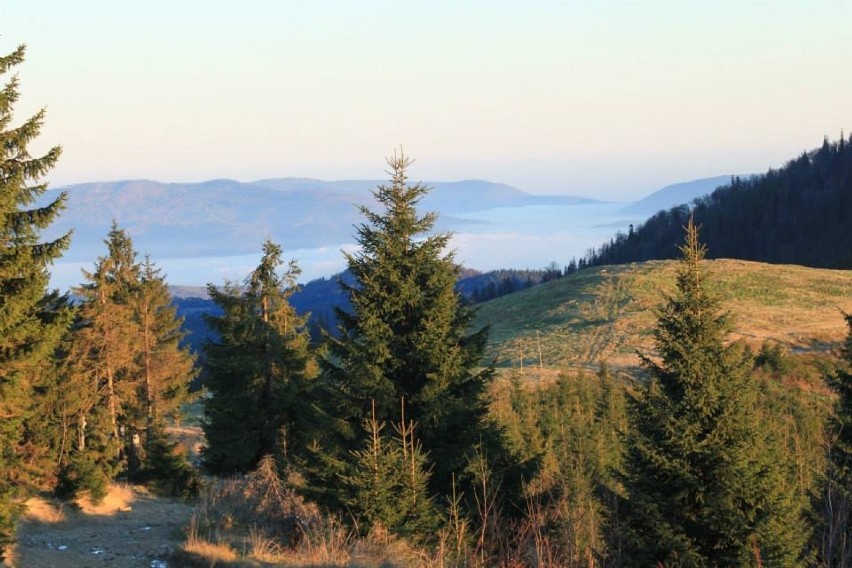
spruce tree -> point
(104, 352)
(127, 371)
(27, 338)
(704, 478)
(166, 365)
(837, 533)
(388, 486)
(258, 370)
(842, 383)
(43, 440)
(405, 347)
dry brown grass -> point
(214, 552)
(264, 548)
(40, 510)
(129, 529)
(264, 518)
(119, 498)
(262, 522)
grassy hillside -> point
(607, 313)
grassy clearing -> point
(608, 313)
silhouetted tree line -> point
(481, 287)
(799, 214)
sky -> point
(602, 99)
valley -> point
(425, 285)
(211, 231)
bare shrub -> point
(214, 551)
(265, 517)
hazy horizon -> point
(609, 100)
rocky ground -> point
(131, 528)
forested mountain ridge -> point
(319, 298)
(607, 313)
(798, 214)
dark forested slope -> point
(798, 214)
(318, 298)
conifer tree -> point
(388, 486)
(406, 340)
(127, 370)
(258, 369)
(105, 346)
(166, 365)
(42, 443)
(27, 339)
(704, 478)
(837, 534)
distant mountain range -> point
(226, 217)
(213, 230)
(678, 193)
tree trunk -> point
(149, 400)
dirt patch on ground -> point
(130, 528)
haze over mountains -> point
(219, 217)
(798, 214)
(208, 231)
(677, 193)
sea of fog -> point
(510, 237)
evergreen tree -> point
(837, 534)
(167, 366)
(104, 358)
(704, 478)
(44, 435)
(405, 346)
(258, 369)
(127, 371)
(388, 483)
(842, 448)
(27, 338)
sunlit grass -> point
(41, 510)
(607, 313)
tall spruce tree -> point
(705, 480)
(105, 344)
(258, 369)
(27, 338)
(127, 371)
(406, 347)
(166, 365)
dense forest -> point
(798, 214)
(395, 427)
(318, 299)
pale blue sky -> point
(604, 99)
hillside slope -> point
(798, 214)
(675, 194)
(607, 313)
